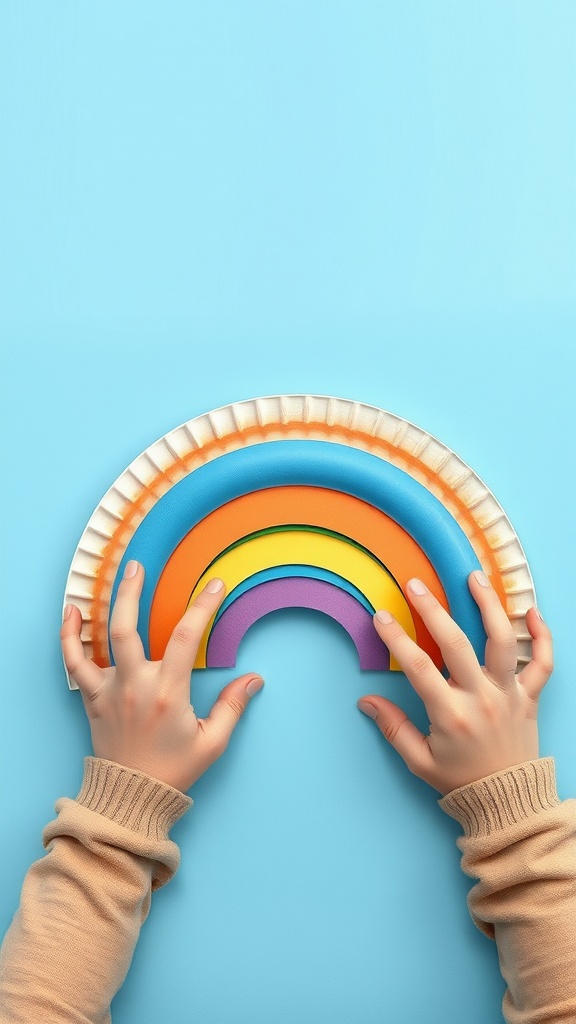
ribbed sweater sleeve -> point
(520, 843)
(71, 941)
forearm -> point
(71, 942)
(520, 842)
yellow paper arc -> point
(291, 547)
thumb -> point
(228, 708)
(401, 733)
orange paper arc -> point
(285, 506)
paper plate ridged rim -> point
(252, 421)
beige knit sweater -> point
(70, 944)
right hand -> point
(483, 719)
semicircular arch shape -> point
(316, 463)
(289, 592)
(315, 549)
(300, 440)
(334, 510)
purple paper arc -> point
(295, 592)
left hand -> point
(139, 711)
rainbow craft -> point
(297, 501)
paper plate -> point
(427, 466)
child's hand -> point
(482, 719)
(139, 711)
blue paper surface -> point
(208, 202)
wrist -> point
(130, 798)
(504, 798)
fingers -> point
(126, 644)
(538, 671)
(414, 662)
(87, 676)
(501, 656)
(456, 648)
(182, 647)
(401, 733)
(457, 651)
(228, 709)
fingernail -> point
(67, 612)
(384, 616)
(481, 578)
(537, 610)
(368, 709)
(131, 569)
(417, 587)
(254, 685)
(214, 586)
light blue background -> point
(205, 202)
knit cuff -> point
(130, 798)
(503, 799)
